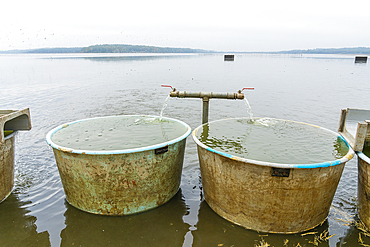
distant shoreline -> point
(108, 49)
(121, 48)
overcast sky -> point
(262, 25)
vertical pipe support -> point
(205, 110)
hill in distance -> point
(117, 48)
(122, 48)
(352, 50)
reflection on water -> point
(58, 91)
(117, 57)
(134, 58)
(17, 227)
(152, 228)
(213, 230)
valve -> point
(173, 89)
(246, 88)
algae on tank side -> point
(7, 132)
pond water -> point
(64, 88)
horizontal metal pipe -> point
(209, 95)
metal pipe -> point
(209, 95)
(205, 110)
(206, 96)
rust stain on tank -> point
(120, 184)
(248, 195)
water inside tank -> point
(366, 150)
(273, 140)
(118, 133)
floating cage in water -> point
(228, 57)
(360, 59)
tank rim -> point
(363, 157)
(344, 159)
(123, 151)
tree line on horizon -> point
(137, 49)
(121, 48)
(351, 50)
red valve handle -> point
(166, 86)
(248, 88)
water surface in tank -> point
(273, 140)
(118, 133)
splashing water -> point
(249, 109)
(164, 107)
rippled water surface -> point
(117, 133)
(64, 88)
(272, 140)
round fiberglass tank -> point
(363, 187)
(7, 164)
(119, 165)
(270, 175)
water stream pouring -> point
(206, 96)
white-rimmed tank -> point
(270, 175)
(119, 165)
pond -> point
(62, 88)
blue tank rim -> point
(110, 152)
(324, 164)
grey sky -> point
(264, 25)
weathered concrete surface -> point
(14, 120)
(7, 166)
(248, 195)
(121, 184)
